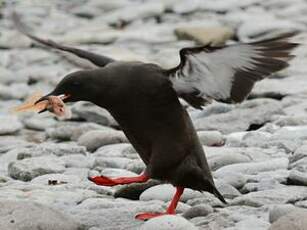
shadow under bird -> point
(144, 100)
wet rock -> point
(37, 217)
(29, 168)
(211, 138)
(198, 210)
(92, 140)
(252, 112)
(296, 220)
(205, 36)
(168, 222)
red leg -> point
(106, 181)
(171, 210)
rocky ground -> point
(257, 150)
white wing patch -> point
(228, 73)
(212, 73)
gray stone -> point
(198, 210)
(278, 211)
(72, 130)
(297, 178)
(300, 165)
(93, 113)
(299, 153)
(220, 157)
(14, 91)
(117, 150)
(112, 162)
(252, 112)
(41, 124)
(296, 220)
(78, 161)
(92, 140)
(145, 10)
(291, 132)
(284, 195)
(210, 35)
(237, 180)
(29, 168)
(26, 215)
(165, 192)
(211, 138)
(46, 149)
(11, 142)
(133, 191)
(255, 138)
(254, 167)
(227, 190)
(9, 125)
(59, 178)
(107, 213)
(168, 222)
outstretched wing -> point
(228, 73)
(98, 60)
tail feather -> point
(218, 195)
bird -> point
(144, 100)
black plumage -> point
(143, 98)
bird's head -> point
(74, 87)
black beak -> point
(44, 98)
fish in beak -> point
(49, 102)
(55, 104)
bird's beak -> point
(46, 98)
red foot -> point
(171, 210)
(106, 181)
(146, 215)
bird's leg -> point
(106, 181)
(171, 210)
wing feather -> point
(228, 73)
(96, 59)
